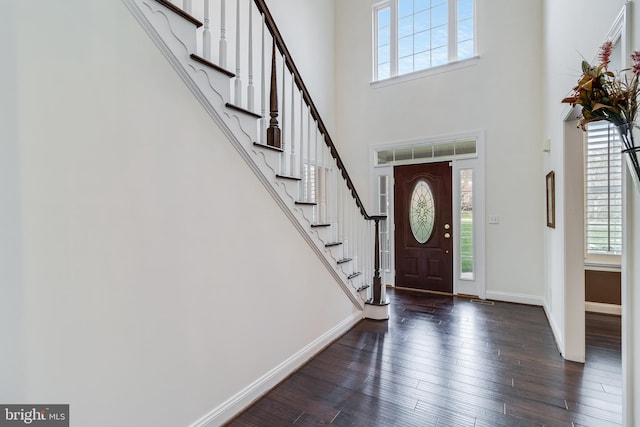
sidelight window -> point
(466, 224)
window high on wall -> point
(415, 35)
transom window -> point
(414, 35)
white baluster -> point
(301, 154)
(223, 40)
(340, 216)
(338, 201)
(292, 153)
(308, 158)
(238, 81)
(316, 157)
(371, 246)
(186, 6)
(346, 244)
(321, 196)
(284, 121)
(250, 89)
(206, 35)
(316, 199)
(343, 206)
(263, 89)
(321, 186)
(355, 242)
(331, 194)
(367, 249)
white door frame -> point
(476, 285)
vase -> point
(628, 134)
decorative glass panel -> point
(422, 211)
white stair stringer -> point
(176, 39)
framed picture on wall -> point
(551, 199)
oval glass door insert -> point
(421, 211)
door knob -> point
(447, 235)
(447, 226)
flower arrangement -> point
(605, 96)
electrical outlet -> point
(494, 219)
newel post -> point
(377, 307)
(377, 280)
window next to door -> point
(466, 224)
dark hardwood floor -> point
(447, 361)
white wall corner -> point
(557, 332)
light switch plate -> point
(494, 219)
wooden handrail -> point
(288, 59)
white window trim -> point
(452, 64)
(439, 69)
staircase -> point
(234, 60)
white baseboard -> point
(557, 335)
(517, 298)
(234, 405)
(598, 307)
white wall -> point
(631, 286)
(10, 260)
(630, 304)
(153, 275)
(565, 43)
(500, 95)
(631, 319)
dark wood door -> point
(423, 227)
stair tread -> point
(328, 245)
(293, 178)
(208, 63)
(301, 202)
(175, 9)
(343, 260)
(362, 288)
(242, 110)
(352, 275)
(270, 147)
(321, 225)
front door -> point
(423, 227)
